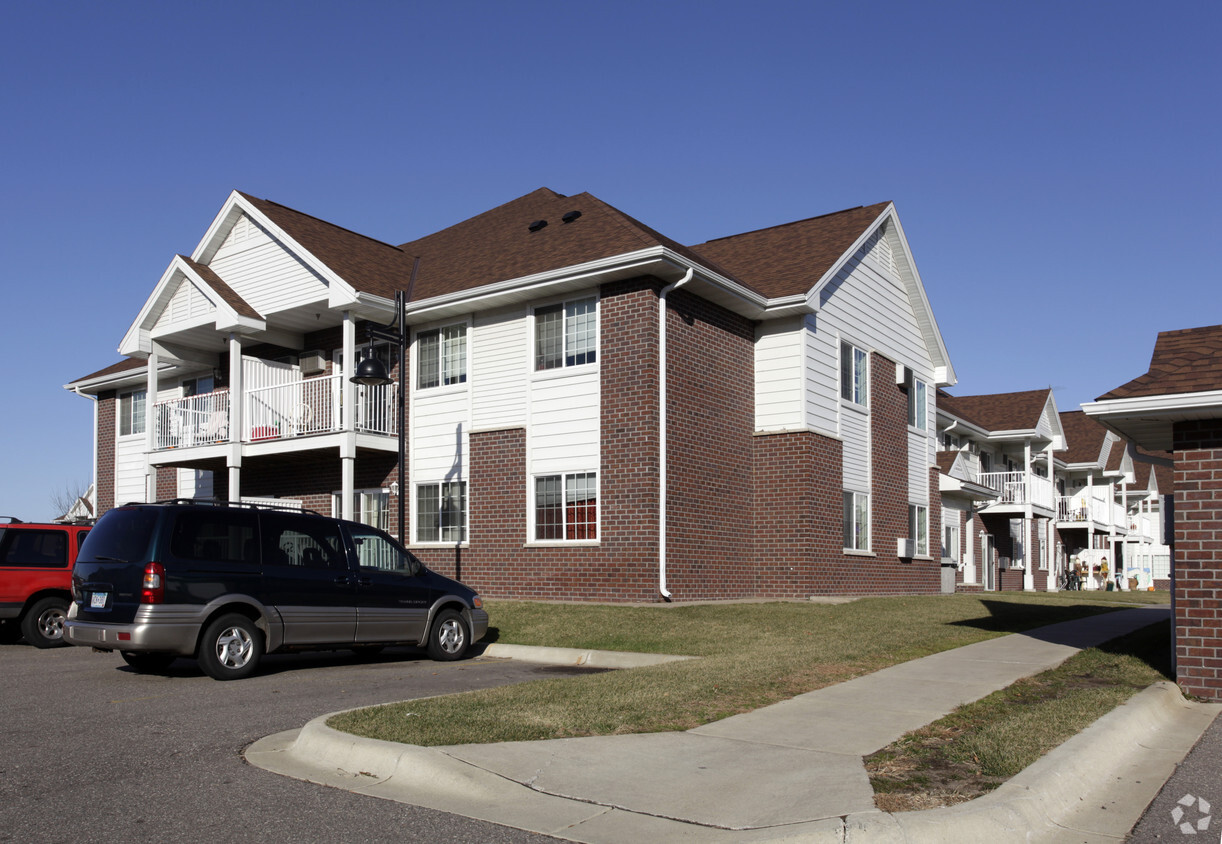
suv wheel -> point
(448, 638)
(230, 648)
(43, 625)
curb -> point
(578, 656)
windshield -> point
(121, 535)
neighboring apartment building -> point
(594, 411)
(1029, 493)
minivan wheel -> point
(142, 661)
(231, 648)
(448, 638)
(43, 625)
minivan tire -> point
(448, 639)
(43, 625)
(230, 648)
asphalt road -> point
(1189, 807)
(92, 751)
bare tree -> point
(63, 500)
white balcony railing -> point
(299, 408)
(1019, 488)
(1097, 509)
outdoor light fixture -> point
(371, 372)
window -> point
(853, 375)
(369, 507)
(857, 521)
(442, 353)
(566, 335)
(566, 507)
(376, 550)
(918, 528)
(131, 413)
(304, 541)
(215, 535)
(917, 405)
(34, 548)
(441, 512)
(950, 540)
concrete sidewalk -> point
(792, 771)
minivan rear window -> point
(122, 535)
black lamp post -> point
(371, 373)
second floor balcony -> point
(1018, 489)
(298, 408)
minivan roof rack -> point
(213, 502)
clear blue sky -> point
(1055, 165)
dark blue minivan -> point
(227, 583)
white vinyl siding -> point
(921, 458)
(499, 369)
(264, 273)
(822, 355)
(188, 306)
(129, 470)
(439, 436)
(779, 361)
(564, 424)
(855, 435)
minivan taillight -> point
(152, 590)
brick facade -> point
(1197, 569)
(108, 408)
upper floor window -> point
(442, 353)
(131, 413)
(854, 375)
(917, 404)
(566, 334)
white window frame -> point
(369, 506)
(918, 405)
(951, 540)
(449, 531)
(918, 528)
(449, 366)
(578, 339)
(130, 413)
(570, 486)
(854, 374)
(856, 536)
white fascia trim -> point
(128, 377)
(959, 424)
(340, 293)
(657, 258)
(1168, 405)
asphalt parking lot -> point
(92, 751)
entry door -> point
(393, 596)
(988, 562)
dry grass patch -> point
(751, 655)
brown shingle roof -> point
(789, 259)
(366, 264)
(999, 411)
(1083, 437)
(1184, 361)
(113, 369)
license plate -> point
(97, 600)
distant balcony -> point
(295, 409)
(1019, 488)
(1097, 510)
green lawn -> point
(751, 655)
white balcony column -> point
(347, 483)
(347, 388)
(234, 459)
(1029, 483)
(1028, 556)
(150, 424)
(1090, 511)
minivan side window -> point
(378, 551)
(215, 536)
(311, 542)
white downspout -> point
(662, 429)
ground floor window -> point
(918, 528)
(369, 507)
(441, 512)
(950, 536)
(857, 521)
(566, 506)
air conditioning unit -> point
(905, 548)
(312, 363)
(903, 375)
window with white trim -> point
(854, 374)
(917, 404)
(856, 521)
(950, 538)
(441, 512)
(566, 334)
(442, 356)
(131, 413)
(918, 528)
(566, 507)
(369, 507)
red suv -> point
(36, 578)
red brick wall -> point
(1197, 565)
(107, 411)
